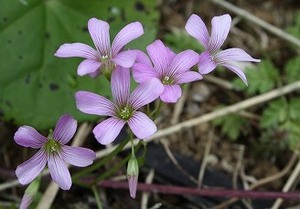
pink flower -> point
(212, 56)
(171, 69)
(106, 56)
(53, 151)
(124, 109)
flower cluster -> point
(159, 74)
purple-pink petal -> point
(197, 29)
(88, 66)
(142, 57)
(188, 76)
(142, 72)
(59, 171)
(206, 64)
(99, 31)
(77, 156)
(171, 93)
(76, 50)
(145, 93)
(108, 130)
(219, 32)
(126, 58)
(171, 54)
(92, 103)
(27, 136)
(120, 86)
(127, 34)
(30, 169)
(132, 184)
(26, 201)
(237, 71)
(141, 125)
(95, 74)
(234, 54)
(65, 129)
(183, 62)
(159, 55)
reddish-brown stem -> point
(177, 190)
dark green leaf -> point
(274, 114)
(261, 79)
(231, 125)
(36, 87)
(292, 70)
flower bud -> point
(132, 175)
(29, 194)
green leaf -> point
(231, 125)
(180, 40)
(36, 88)
(261, 79)
(274, 114)
(294, 107)
(295, 28)
(292, 70)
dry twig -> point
(292, 179)
(252, 18)
(215, 114)
(209, 143)
(175, 162)
(261, 182)
(145, 195)
(179, 106)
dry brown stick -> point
(215, 114)
(219, 81)
(175, 162)
(261, 182)
(276, 176)
(238, 166)
(146, 195)
(50, 193)
(292, 179)
(179, 106)
(227, 110)
(267, 26)
(9, 184)
(207, 149)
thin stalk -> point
(102, 161)
(98, 201)
(116, 168)
(155, 112)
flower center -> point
(125, 113)
(52, 146)
(104, 58)
(167, 80)
(107, 66)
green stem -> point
(109, 172)
(112, 170)
(98, 201)
(102, 161)
(141, 159)
(155, 112)
(116, 168)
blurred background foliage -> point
(35, 86)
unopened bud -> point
(29, 194)
(132, 175)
